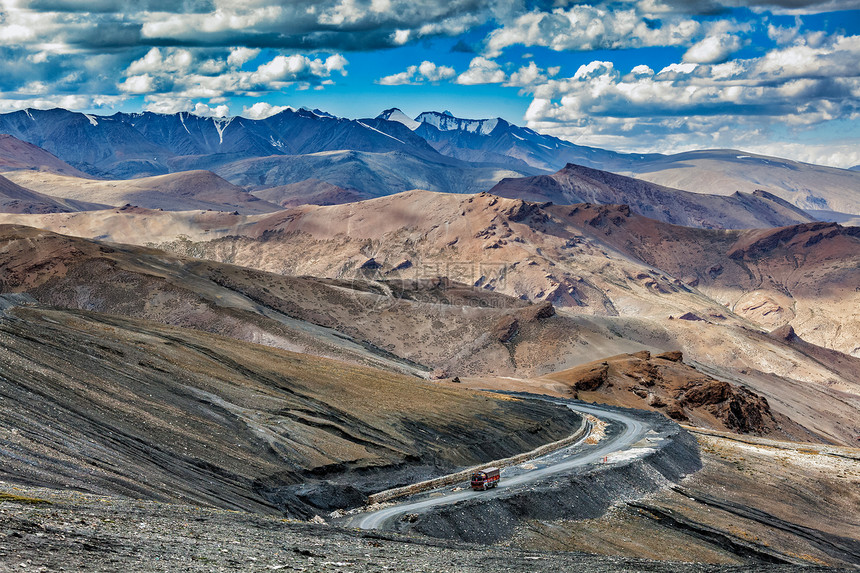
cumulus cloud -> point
(315, 24)
(586, 27)
(179, 72)
(713, 49)
(342, 25)
(527, 76)
(205, 110)
(63, 101)
(262, 110)
(238, 56)
(141, 84)
(482, 71)
(155, 62)
(422, 73)
(797, 87)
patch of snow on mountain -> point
(276, 143)
(182, 119)
(382, 132)
(220, 126)
(488, 125)
(92, 119)
(447, 122)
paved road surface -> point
(556, 462)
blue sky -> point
(780, 77)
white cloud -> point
(332, 24)
(674, 70)
(262, 110)
(166, 104)
(176, 60)
(400, 37)
(426, 71)
(527, 76)
(433, 73)
(797, 88)
(137, 84)
(401, 78)
(713, 49)
(584, 27)
(482, 71)
(179, 73)
(204, 110)
(239, 56)
(66, 101)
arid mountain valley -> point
(288, 343)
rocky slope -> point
(755, 500)
(726, 171)
(70, 530)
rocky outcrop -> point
(738, 408)
(662, 382)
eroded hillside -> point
(109, 404)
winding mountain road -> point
(633, 431)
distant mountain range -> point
(143, 144)
(379, 156)
(497, 141)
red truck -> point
(485, 479)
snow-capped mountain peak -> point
(394, 114)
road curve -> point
(556, 462)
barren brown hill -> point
(578, 184)
(138, 225)
(16, 154)
(429, 327)
(310, 192)
(15, 199)
(804, 275)
(185, 191)
(108, 404)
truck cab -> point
(485, 479)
